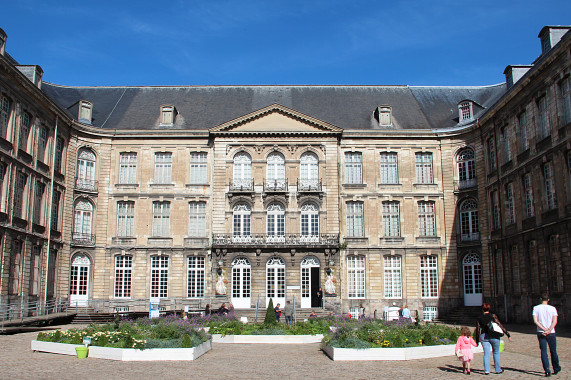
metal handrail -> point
(20, 311)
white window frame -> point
(469, 220)
(309, 170)
(85, 172)
(196, 276)
(466, 161)
(355, 219)
(389, 168)
(161, 219)
(125, 218)
(123, 283)
(163, 168)
(392, 273)
(83, 220)
(128, 168)
(198, 168)
(429, 276)
(275, 223)
(465, 111)
(159, 276)
(242, 223)
(355, 276)
(391, 219)
(429, 313)
(275, 169)
(528, 196)
(427, 218)
(309, 222)
(353, 168)
(424, 172)
(242, 170)
(197, 219)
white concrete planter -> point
(408, 353)
(267, 339)
(126, 354)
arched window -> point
(241, 229)
(275, 223)
(466, 168)
(85, 178)
(309, 222)
(469, 229)
(242, 171)
(83, 218)
(309, 174)
(275, 171)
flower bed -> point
(126, 354)
(410, 353)
(267, 339)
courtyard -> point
(520, 360)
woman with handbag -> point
(489, 330)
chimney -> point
(513, 73)
(550, 35)
(3, 38)
(33, 72)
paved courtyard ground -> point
(242, 361)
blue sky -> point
(214, 42)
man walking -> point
(288, 312)
(545, 317)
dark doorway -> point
(315, 300)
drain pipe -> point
(49, 213)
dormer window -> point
(167, 115)
(465, 111)
(384, 116)
(85, 111)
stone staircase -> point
(462, 316)
(300, 314)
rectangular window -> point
(55, 211)
(506, 144)
(25, 123)
(495, 203)
(566, 99)
(5, 114)
(196, 275)
(549, 178)
(197, 219)
(163, 168)
(424, 168)
(391, 219)
(465, 110)
(19, 193)
(159, 276)
(510, 204)
(123, 276)
(389, 168)
(38, 202)
(42, 143)
(59, 155)
(426, 219)
(429, 313)
(355, 226)
(353, 168)
(528, 195)
(198, 168)
(15, 257)
(428, 276)
(36, 263)
(128, 168)
(523, 135)
(393, 277)
(356, 276)
(491, 154)
(542, 118)
(125, 219)
(161, 219)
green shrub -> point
(270, 314)
(186, 343)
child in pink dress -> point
(464, 348)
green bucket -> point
(81, 352)
(502, 344)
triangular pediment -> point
(276, 119)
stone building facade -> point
(378, 195)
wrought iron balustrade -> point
(79, 238)
(466, 184)
(276, 186)
(85, 184)
(242, 185)
(309, 185)
(473, 236)
(285, 240)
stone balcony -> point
(280, 241)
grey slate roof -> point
(204, 107)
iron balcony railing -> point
(309, 185)
(472, 236)
(466, 184)
(276, 186)
(86, 184)
(30, 312)
(241, 185)
(275, 240)
(79, 238)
